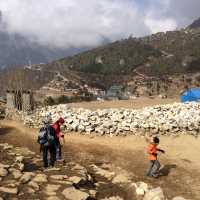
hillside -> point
(195, 24)
(119, 57)
(156, 64)
(168, 53)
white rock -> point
(50, 189)
(121, 178)
(140, 191)
(92, 193)
(30, 191)
(154, 194)
(57, 177)
(9, 190)
(4, 166)
(73, 194)
(113, 198)
(40, 178)
(21, 166)
(178, 198)
(26, 177)
(7, 147)
(3, 172)
(34, 185)
(104, 173)
(19, 159)
(141, 188)
(16, 173)
(53, 198)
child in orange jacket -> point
(154, 165)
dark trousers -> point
(52, 151)
(58, 150)
(153, 169)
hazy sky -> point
(78, 23)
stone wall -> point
(27, 99)
(10, 100)
(175, 118)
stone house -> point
(115, 92)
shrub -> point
(63, 99)
(49, 101)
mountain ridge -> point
(132, 62)
(195, 24)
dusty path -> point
(129, 104)
(182, 161)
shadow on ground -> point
(5, 130)
(165, 171)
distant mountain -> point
(16, 50)
(195, 24)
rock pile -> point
(174, 118)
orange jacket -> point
(152, 151)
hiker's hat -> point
(156, 140)
(47, 119)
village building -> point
(116, 92)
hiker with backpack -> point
(47, 141)
(59, 137)
(154, 165)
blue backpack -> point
(46, 137)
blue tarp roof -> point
(191, 95)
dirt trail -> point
(129, 104)
(182, 161)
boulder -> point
(73, 194)
(75, 179)
(4, 166)
(34, 185)
(58, 177)
(154, 194)
(21, 166)
(40, 178)
(16, 173)
(178, 198)
(26, 177)
(50, 190)
(3, 172)
(104, 173)
(113, 198)
(19, 159)
(120, 179)
(9, 190)
(53, 198)
(141, 188)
